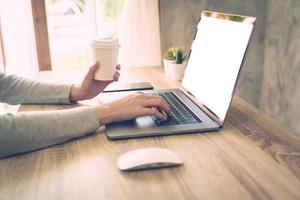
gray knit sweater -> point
(27, 131)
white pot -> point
(174, 71)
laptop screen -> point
(216, 55)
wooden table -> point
(252, 157)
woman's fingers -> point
(152, 97)
(158, 103)
(167, 106)
(148, 100)
(116, 76)
(92, 70)
(153, 111)
(159, 98)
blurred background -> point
(55, 34)
(270, 78)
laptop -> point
(208, 85)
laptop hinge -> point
(202, 106)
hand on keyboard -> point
(179, 115)
(132, 106)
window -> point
(71, 23)
(55, 33)
(18, 53)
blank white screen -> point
(215, 60)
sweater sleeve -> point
(17, 90)
(28, 131)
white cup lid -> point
(105, 42)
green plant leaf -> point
(169, 54)
(176, 54)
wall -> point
(280, 95)
(271, 66)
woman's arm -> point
(23, 132)
(28, 131)
(16, 90)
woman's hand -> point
(89, 88)
(133, 106)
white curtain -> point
(18, 37)
(94, 13)
(139, 34)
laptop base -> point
(146, 127)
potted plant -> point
(174, 63)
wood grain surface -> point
(252, 157)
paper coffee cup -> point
(106, 51)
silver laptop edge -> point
(145, 126)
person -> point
(28, 131)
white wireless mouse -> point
(148, 158)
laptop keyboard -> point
(180, 115)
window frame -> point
(2, 51)
(41, 34)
